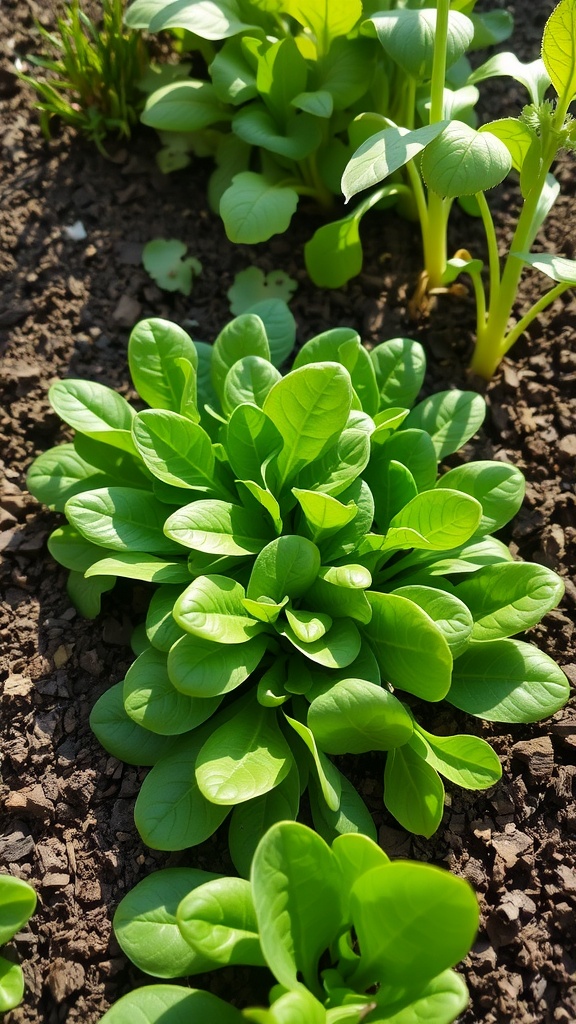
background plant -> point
(93, 79)
(277, 107)
(17, 904)
(455, 160)
(308, 561)
(358, 938)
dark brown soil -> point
(66, 308)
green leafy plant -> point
(286, 80)
(309, 560)
(455, 161)
(164, 260)
(348, 935)
(93, 81)
(17, 904)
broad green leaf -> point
(404, 638)
(17, 904)
(146, 928)
(462, 161)
(466, 559)
(308, 626)
(356, 855)
(280, 327)
(175, 450)
(253, 208)
(281, 76)
(556, 267)
(253, 287)
(241, 337)
(515, 135)
(218, 528)
(136, 565)
(211, 608)
(218, 921)
(412, 921)
(164, 260)
(490, 27)
(533, 76)
(326, 19)
(152, 701)
(413, 448)
(170, 812)
(250, 821)
(286, 567)
(546, 200)
(204, 18)
(507, 681)
(435, 520)
(121, 736)
(296, 888)
(498, 487)
(334, 253)
(335, 470)
(243, 758)
(232, 76)
(325, 347)
(251, 439)
(121, 518)
(310, 409)
(185, 106)
(95, 410)
(253, 495)
(413, 791)
(161, 629)
(171, 1004)
(394, 489)
(466, 760)
(449, 612)
(329, 778)
(351, 817)
(323, 514)
(400, 365)
(385, 152)
(59, 474)
(272, 689)
(355, 716)
(407, 36)
(119, 467)
(441, 1000)
(333, 593)
(319, 103)
(450, 417)
(85, 594)
(346, 70)
(249, 380)
(71, 550)
(559, 49)
(336, 649)
(509, 598)
(202, 668)
(296, 1007)
(11, 984)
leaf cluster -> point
(348, 935)
(92, 81)
(314, 575)
(17, 904)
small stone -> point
(64, 978)
(538, 754)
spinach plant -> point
(17, 904)
(455, 160)
(348, 935)
(312, 569)
(285, 83)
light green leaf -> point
(252, 286)
(218, 921)
(202, 668)
(232, 76)
(533, 76)
(136, 565)
(498, 487)
(408, 36)
(385, 152)
(556, 267)
(11, 984)
(161, 628)
(326, 19)
(507, 681)
(219, 528)
(59, 474)
(450, 417)
(355, 716)
(509, 598)
(442, 999)
(17, 904)
(121, 736)
(185, 106)
(336, 649)
(469, 761)
(308, 626)
(413, 791)
(559, 49)
(329, 778)
(253, 209)
(95, 410)
(249, 381)
(338, 468)
(434, 520)
(515, 135)
(400, 365)
(164, 260)
(243, 758)
(309, 408)
(71, 550)
(251, 439)
(211, 608)
(323, 514)
(413, 448)
(296, 888)
(319, 103)
(172, 1004)
(334, 253)
(146, 928)
(241, 337)
(155, 349)
(152, 701)
(462, 161)
(175, 450)
(121, 518)
(286, 567)
(250, 821)
(449, 613)
(280, 327)
(404, 638)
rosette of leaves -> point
(17, 904)
(312, 568)
(348, 935)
